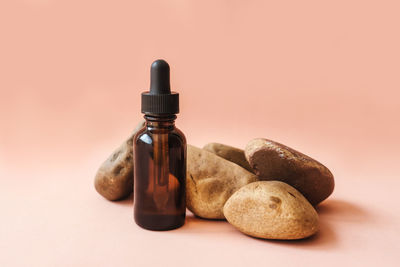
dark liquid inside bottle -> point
(160, 175)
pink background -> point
(319, 76)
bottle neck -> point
(160, 122)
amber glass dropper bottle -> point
(160, 157)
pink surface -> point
(322, 77)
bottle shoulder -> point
(139, 135)
(145, 135)
(179, 134)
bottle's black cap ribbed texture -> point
(160, 100)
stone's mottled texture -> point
(114, 179)
(230, 153)
(274, 161)
(271, 210)
(210, 181)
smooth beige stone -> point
(210, 181)
(274, 161)
(271, 210)
(230, 153)
(114, 178)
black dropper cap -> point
(160, 100)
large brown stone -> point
(210, 181)
(274, 161)
(114, 178)
(271, 210)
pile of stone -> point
(267, 190)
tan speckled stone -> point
(274, 161)
(230, 153)
(210, 181)
(271, 210)
(114, 179)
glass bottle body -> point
(160, 175)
